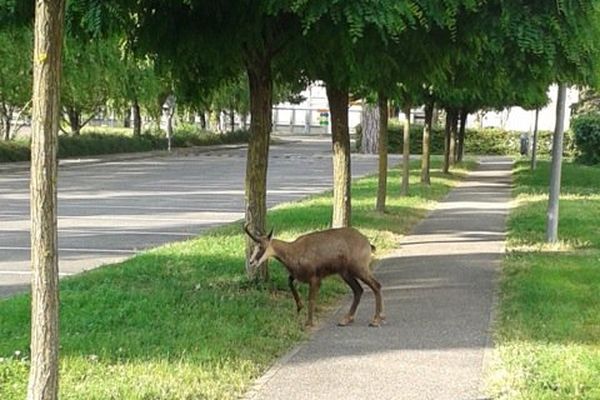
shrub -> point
(100, 142)
(487, 141)
(14, 151)
(587, 138)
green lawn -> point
(182, 321)
(548, 330)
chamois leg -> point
(376, 288)
(357, 291)
(295, 294)
(312, 297)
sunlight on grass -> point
(182, 321)
(548, 325)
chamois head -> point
(263, 250)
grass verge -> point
(181, 321)
(548, 329)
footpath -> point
(439, 294)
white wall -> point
(518, 119)
(307, 117)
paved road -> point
(109, 211)
(438, 292)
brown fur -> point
(314, 256)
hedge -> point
(94, 143)
(587, 138)
(487, 141)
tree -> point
(91, 72)
(137, 87)
(15, 73)
(426, 156)
(48, 32)
(383, 153)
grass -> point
(548, 329)
(181, 321)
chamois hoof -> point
(299, 308)
(376, 322)
(309, 324)
(347, 320)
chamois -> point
(312, 257)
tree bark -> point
(447, 141)
(460, 151)
(202, 120)
(74, 117)
(370, 129)
(261, 104)
(340, 136)
(426, 157)
(43, 374)
(5, 121)
(382, 147)
(137, 118)
(453, 137)
(127, 118)
(534, 141)
(406, 152)
(555, 170)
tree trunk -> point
(425, 159)
(137, 119)
(340, 136)
(127, 118)
(382, 147)
(5, 121)
(460, 151)
(555, 171)
(448, 141)
(370, 129)
(232, 120)
(74, 117)
(261, 104)
(202, 120)
(43, 374)
(406, 152)
(534, 142)
(244, 119)
(453, 137)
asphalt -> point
(439, 294)
(112, 207)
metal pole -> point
(555, 172)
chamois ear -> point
(270, 235)
(249, 233)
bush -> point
(487, 141)
(587, 138)
(189, 135)
(97, 142)
(14, 151)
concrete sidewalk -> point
(439, 297)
